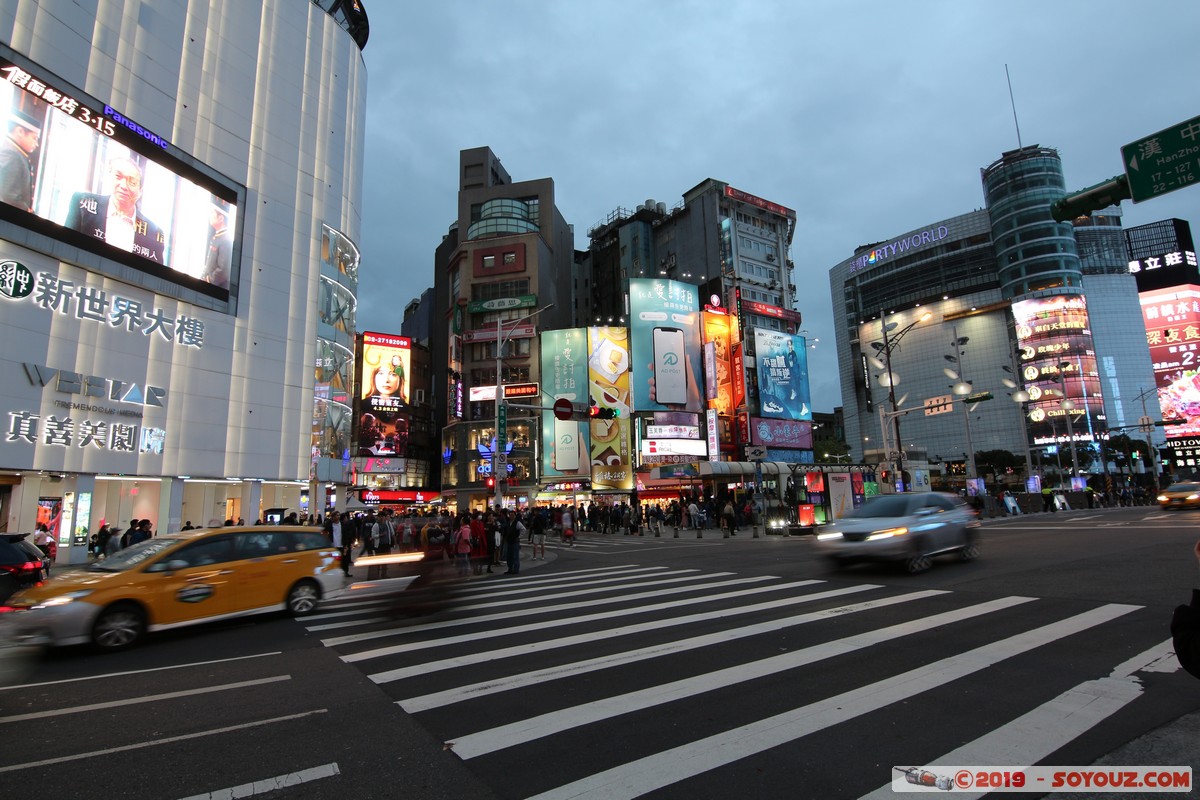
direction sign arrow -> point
(1164, 161)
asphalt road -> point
(627, 666)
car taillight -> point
(17, 569)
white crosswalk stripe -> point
(575, 655)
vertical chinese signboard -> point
(608, 386)
(564, 367)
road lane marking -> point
(156, 742)
(676, 764)
(270, 784)
(507, 616)
(1032, 737)
(150, 698)
(108, 675)
(572, 578)
(330, 626)
(525, 679)
(532, 728)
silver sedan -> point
(911, 528)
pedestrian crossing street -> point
(622, 681)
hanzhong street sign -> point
(942, 404)
(1163, 162)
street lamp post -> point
(1148, 430)
(499, 446)
(888, 345)
(838, 457)
(1068, 405)
(1020, 396)
(963, 388)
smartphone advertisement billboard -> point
(782, 363)
(665, 325)
(1054, 341)
(384, 369)
(564, 365)
(79, 171)
(1172, 318)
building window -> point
(510, 258)
(489, 262)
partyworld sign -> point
(896, 247)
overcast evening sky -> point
(869, 119)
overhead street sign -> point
(978, 397)
(1163, 162)
(943, 404)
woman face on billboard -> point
(387, 382)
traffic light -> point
(490, 483)
(1165, 423)
(1109, 193)
(600, 412)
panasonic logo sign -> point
(111, 389)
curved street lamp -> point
(962, 387)
(890, 379)
(1067, 405)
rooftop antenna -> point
(1014, 106)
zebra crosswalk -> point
(623, 681)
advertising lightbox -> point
(80, 172)
(665, 325)
(384, 367)
(1172, 318)
(608, 386)
(564, 377)
(782, 362)
(1055, 349)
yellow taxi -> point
(1180, 495)
(177, 580)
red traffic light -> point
(490, 483)
(599, 412)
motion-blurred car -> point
(22, 564)
(911, 528)
(177, 580)
(1180, 495)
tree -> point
(998, 462)
(828, 444)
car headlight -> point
(887, 533)
(1162, 498)
(824, 537)
(63, 599)
(1193, 497)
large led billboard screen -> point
(1172, 318)
(384, 369)
(81, 172)
(665, 325)
(782, 363)
(1055, 348)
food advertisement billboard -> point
(665, 325)
(782, 362)
(564, 371)
(608, 386)
(1172, 318)
(384, 369)
(1054, 341)
(718, 369)
(79, 171)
